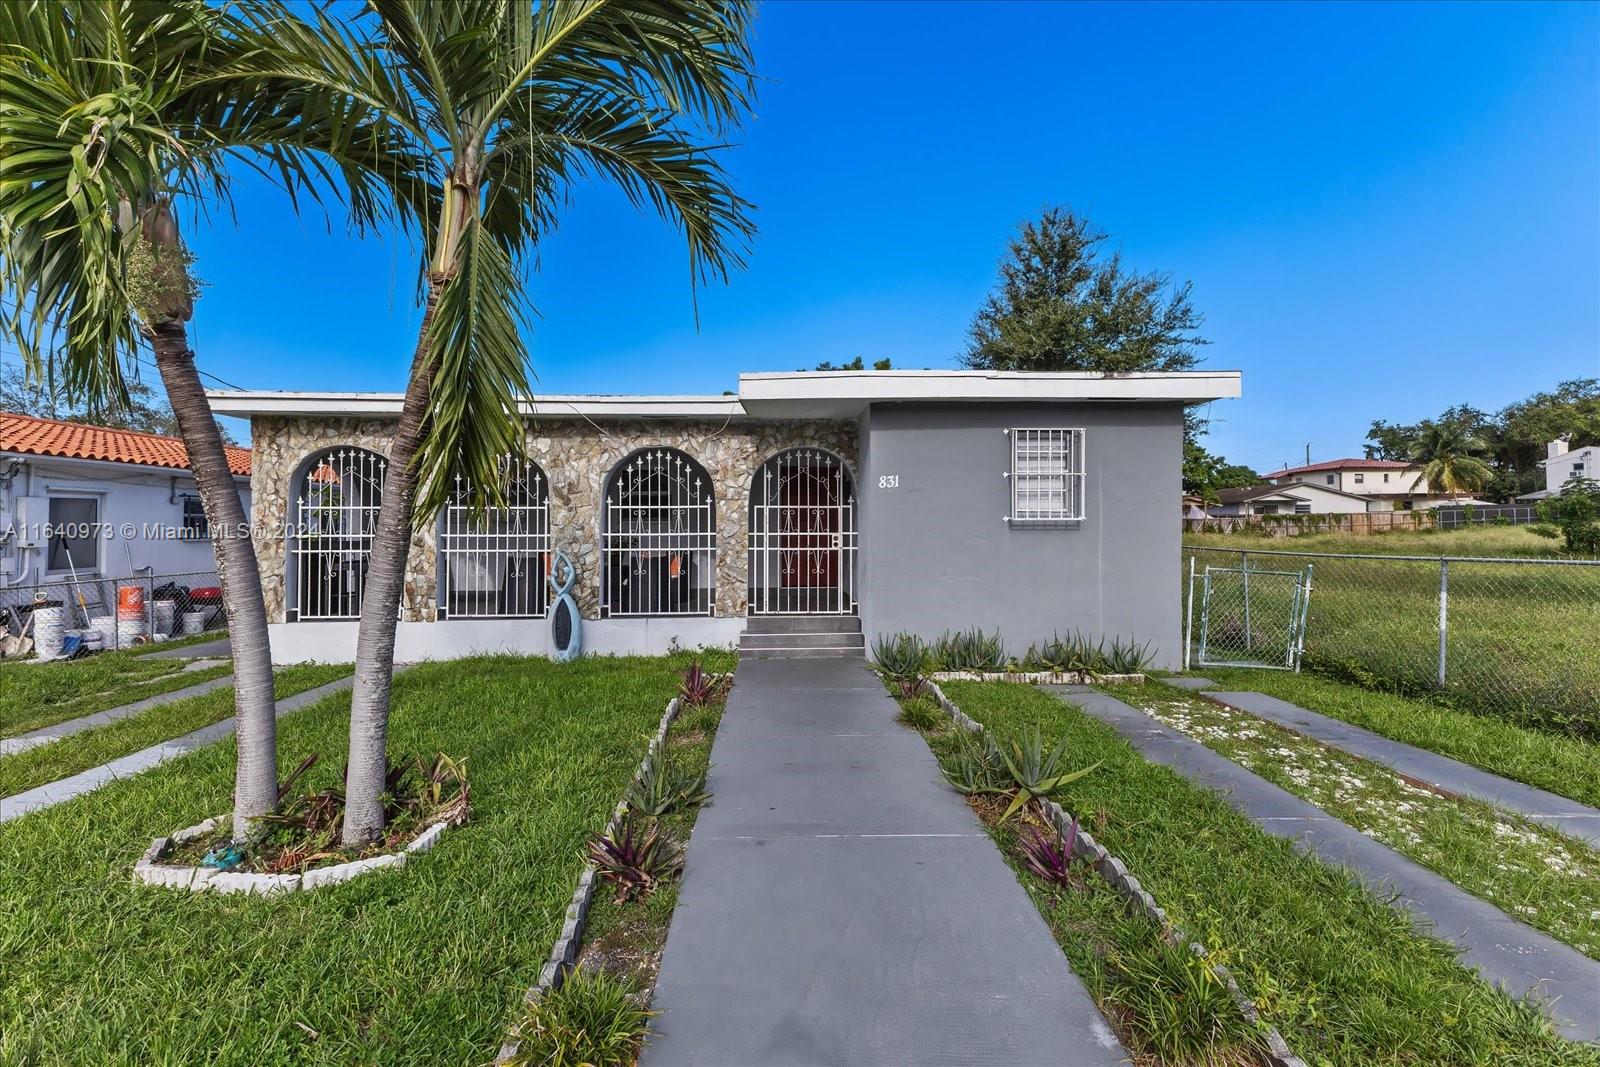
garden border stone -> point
(1117, 875)
(151, 871)
(1038, 677)
(569, 943)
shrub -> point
(1179, 1009)
(593, 1019)
(901, 658)
(921, 713)
(1576, 511)
(666, 788)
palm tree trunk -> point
(380, 604)
(255, 791)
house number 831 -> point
(889, 481)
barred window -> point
(194, 518)
(1046, 475)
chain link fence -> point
(60, 617)
(1518, 638)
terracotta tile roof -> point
(30, 436)
(1344, 465)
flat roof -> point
(795, 395)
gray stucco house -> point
(807, 511)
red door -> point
(808, 531)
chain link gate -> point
(1249, 617)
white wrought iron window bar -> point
(1047, 476)
(336, 515)
(803, 536)
(494, 561)
(659, 537)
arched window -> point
(493, 564)
(335, 513)
(803, 535)
(659, 537)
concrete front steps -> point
(802, 637)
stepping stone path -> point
(1531, 964)
(842, 905)
(1424, 767)
(1190, 683)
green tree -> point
(1449, 458)
(512, 102)
(1575, 511)
(1062, 303)
(1204, 474)
(1571, 410)
(114, 117)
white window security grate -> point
(659, 537)
(803, 536)
(1047, 476)
(493, 562)
(336, 515)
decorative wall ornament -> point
(566, 625)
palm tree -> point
(511, 100)
(1447, 453)
(114, 117)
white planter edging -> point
(1037, 677)
(151, 871)
(564, 954)
(1117, 875)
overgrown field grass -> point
(1485, 540)
(1565, 766)
(419, 966)
(1344, 977)
(1520, 637)
(79, 752)
(33, 695)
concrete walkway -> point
(46, 796)
(45, 734)
(1428, 768)
(842, 905)
(219, 647)
(1532, 964)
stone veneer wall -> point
(577, 457)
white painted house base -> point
(415, 642)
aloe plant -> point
(665, 789)
(1036, 771)
(975, 765)
(901, 658)
(969, 650)
(1126, 657)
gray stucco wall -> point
(939, 556)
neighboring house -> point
(824, 504)
(1194, 507)
(99, 501)
(1300, 498)
(1562, 463)
(1390, 484)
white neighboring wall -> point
(151, 499)
(1562, 464)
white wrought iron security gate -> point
(803, 536)
(1250, 617)
(659, 537)
(336, 514)
(493, 561)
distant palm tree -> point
(1447, 453)
(512, 101)
(115, 116)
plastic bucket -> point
(194, 622)
(163, 613)
(106, 627)
(130, 632)
(49, 630)
(130, 602)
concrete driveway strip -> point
(1531, 964)
(46, 734)
(842, 905)
(46, 796)
(1429, 768)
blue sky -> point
(1384, 210)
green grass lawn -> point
(79, 752)
(33, 695)
(1531, 872)
(1566, 766)
(1343, 976)
(423, 965)
(1487, 540)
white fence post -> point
(1444, 616)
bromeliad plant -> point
(699, 688)
(665, 789)
(636, 858)
(1048, 853)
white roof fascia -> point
(380, 405)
